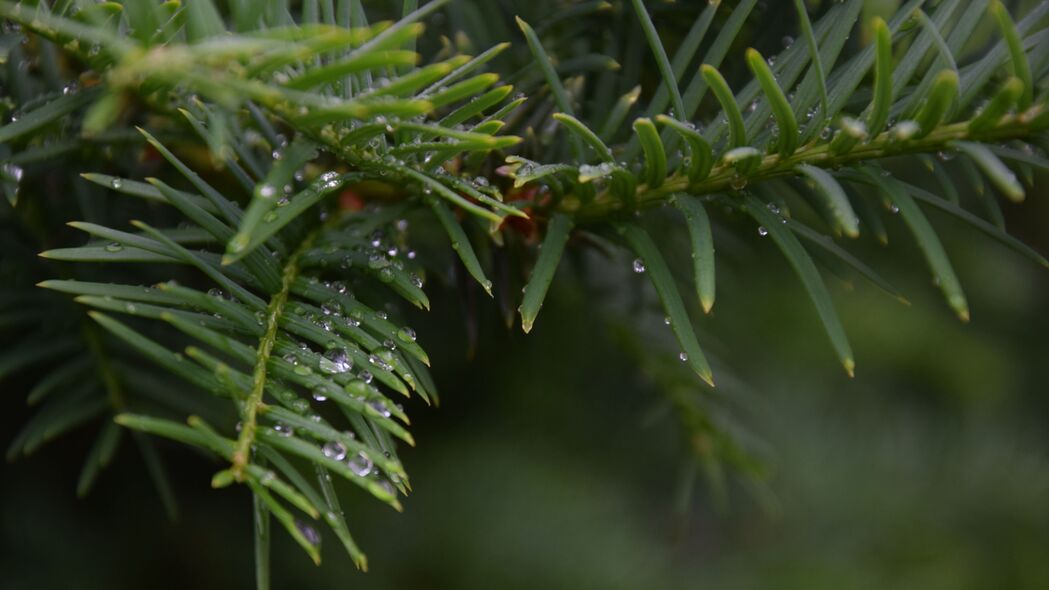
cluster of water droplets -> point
(588, 172)
(387, 255)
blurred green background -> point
(553, 461)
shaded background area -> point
(555, 462)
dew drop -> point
(682, 357)
(114, 247)
(335, 361)
(334, 450)
(763, 231)
(377, 260)
(406, 334)
(309, 533)
(380, 408)
(378, 362)
(639, 265)
(360, 464)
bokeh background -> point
(556, 461)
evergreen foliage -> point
(250, 183)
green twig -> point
(274, 311)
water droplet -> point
(763, 231)
(366, 376)
(639, 265)
(335, 361)
(334, 450)
(682, 357)
(360, 464)
(309, 533)
(894, 208)
(378, 260)
(406, 334)
(114, 247)
(319, 396)
(379, 362)
(116, 183)
(283, 429)
(303, 370)
(331, 307)
(667, 320)
(379, 407)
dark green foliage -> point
(252, 182)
